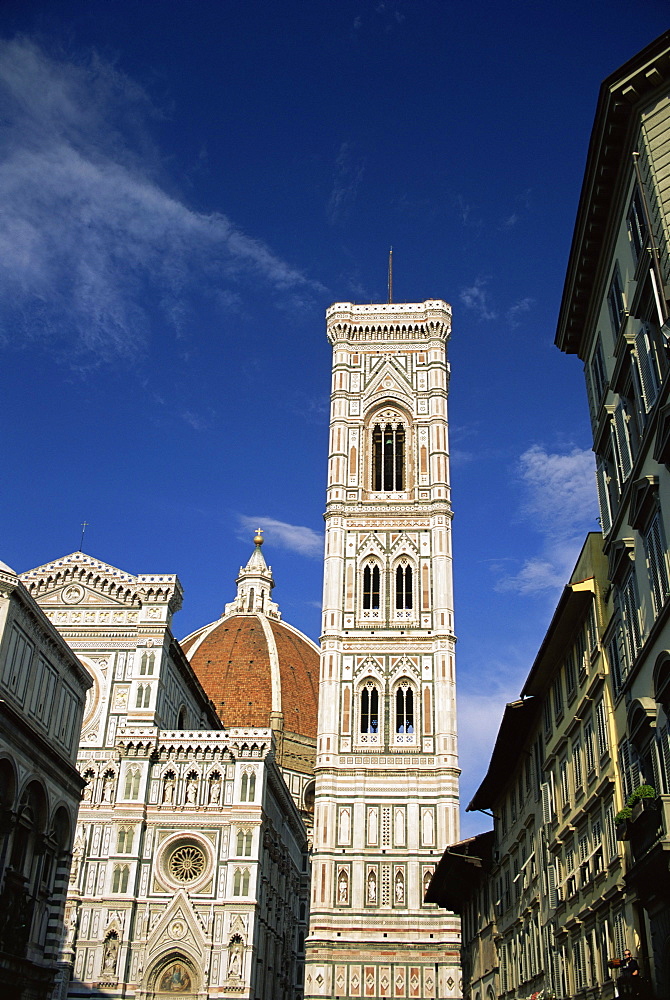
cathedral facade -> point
(386, 766)
(189, 873)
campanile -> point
(387, 766)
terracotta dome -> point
(257, 670)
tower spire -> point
(254, 585)
(390, 280)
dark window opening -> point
(403, 587)
(369, 710)
(370, 587)
(404, 710)
(388, 458)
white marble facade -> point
(189, 869)
(387, 769)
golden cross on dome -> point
(258, 537)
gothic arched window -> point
(248, 788)
(132, 787)
(370, 587)
(370, 708)
(404, 709)
(120, 878)
(388, 458)
(403, 587)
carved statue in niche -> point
(399, 888)
(343, 887)
(191, 790)
(77, 855)
(108, 788)
(372, 887)
(109, 953)
(168, 789)
(215, 790)
(235, 959)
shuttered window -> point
(655, 548)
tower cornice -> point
(406, 322)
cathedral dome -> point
(257, 670)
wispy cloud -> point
(88, 233)
(518, 309)
(296, 537)
(476, 298)
(349, 170)
(559, 498)
(195, 420)
(479, 715)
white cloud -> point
(516, 310)
(559, 498)
(479, 716)
(295, 537)
(476, 298)
(349, 170)
(87, 232)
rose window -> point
(186, 863)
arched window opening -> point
(120, 878)
(132, 786)
(248, 788)
(403, 587)
(240, 842)
(237, 882)
(140, 696)
(124, 841)
(369, 709)
(245, 882)
(251, 599)
(371, 588)
(404, 709)
(388, 458)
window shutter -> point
(603, 496)
(624, 759)
(658, 573)
(601, 722)
(664, 755)
(646, 363)
(622, 443)
(551, 882)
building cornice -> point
(622, 96)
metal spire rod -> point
(391, 275)
(84, 526)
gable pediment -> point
(178, 924)
(370, 545)
(390, 379)
(79, 579)
(73, 595)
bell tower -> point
(387, 766)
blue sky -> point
(186, 187)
